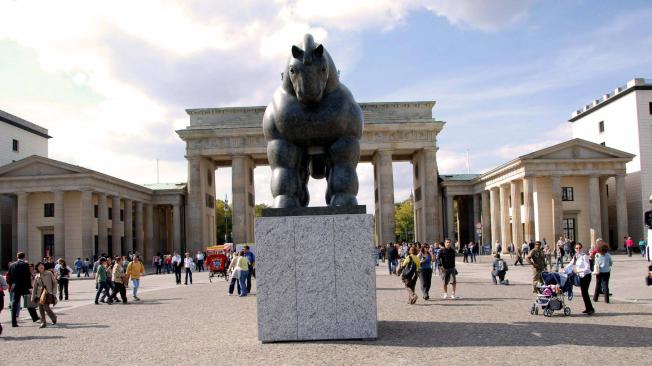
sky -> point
(111, 80)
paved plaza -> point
(200, 324)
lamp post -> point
(226, 203)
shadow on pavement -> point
(79, 325)
(429, 334)
(29, 338)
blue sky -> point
(111, 81)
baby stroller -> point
(553, 293)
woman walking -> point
(119, 280)
(243, 266)
(582, 268)
(602, 268)
(235, 274)
(188, 263)
(44, 293)
(101, 278)
(63, 276)
(409, 270)
(425, 260)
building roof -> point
(23, 124)
(632, 85)
(459, 177)
(165, 186)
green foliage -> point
(259, 209)
(221, 223)
(404, 220)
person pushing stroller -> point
(499, 270)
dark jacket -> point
(20, 279)
(447, 258)
(392, 253)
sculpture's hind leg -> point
(343, 157)
(284, 159)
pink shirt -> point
(629, 243)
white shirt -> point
(187, 262)
(200, 256)
(582, 265)
(176, 259)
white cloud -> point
(480, 14)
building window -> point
(122, 215)
(650, 105)
(95, 211)
(603, 143)
(110, 213)
(601, 126)
(567, 194)
(48, 210)
(14, 145)
(522, 198)
(568, 228)
(417, 194)
(416, 171)
(209, 178)
(607, 186)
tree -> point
(222, 222)
(259, 209)
(404, 220)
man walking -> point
(200, 261)
(176, 265)
(537, 259)
(135, 269)
(19, 281)
(392, 258)
(447, 258)
(188, 263)
(252, 262)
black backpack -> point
(410, 270)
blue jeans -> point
(243, 282)
(101, 286)
(391, 264)
(135, 284)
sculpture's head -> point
(310, 71)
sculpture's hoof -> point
(286, 201)
(343, 199)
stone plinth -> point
(315, 278)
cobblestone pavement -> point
(200, 324)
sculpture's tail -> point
(317, 166)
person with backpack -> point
(447, 268)
(409, 270)
(425, 264)
(499, 270)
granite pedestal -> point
(315, 278)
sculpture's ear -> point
(319, 51)
(297, 53)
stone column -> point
(140, 233)
(450, 224)
(116, 233)
(430, 196)
(22, 224)
(604, 208)
(200, 213)
(87, 221)
(384, 191)
(486, 218)
(557, 210)
(128, 226)
(60, 227)
(528, 213)
(505, 232)
(243, 197)
(621, 209)
(476, 215)
(176, 227)
(595, 219)
(517, 225)
(149, 233)
(495, 216)
(102, 224)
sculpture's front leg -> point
(284, 159)
(343, 157)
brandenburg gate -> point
(393, 131)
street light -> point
(226, 230)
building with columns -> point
(561, 190)
(62, 210)
(622, 119)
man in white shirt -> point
(176, 265)
(200, 261)
(188, 264)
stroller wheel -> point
(532, 309)
(567, 311)
(548, 312)
(210, 277)
(536, 310)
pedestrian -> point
(641, 247)
(602, 269)
(447, 269)
(511, 249)
(234, 272)
(79, 265)
(252, 265)
(392, 258)
(86, 267)
(109, 282)
(63, 276)
(27, 298)
(582, 268)
(547, 251)
(100, 278)
(19, 281)
(472, 251)
(383, 252)
(200, 261)
(537, 259)
(425, 264)
(465, 253)
(498, 247)
(119, 280)
(243, 266)
(560, 253)
(525, 248)
(135, 269)
(45, 293)
(3, 287)
(499, 270)
(188, 264)
(629, 244)
(409, 270)
(176, 265)
(167, 263)
(158, 262)
(519, 257)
